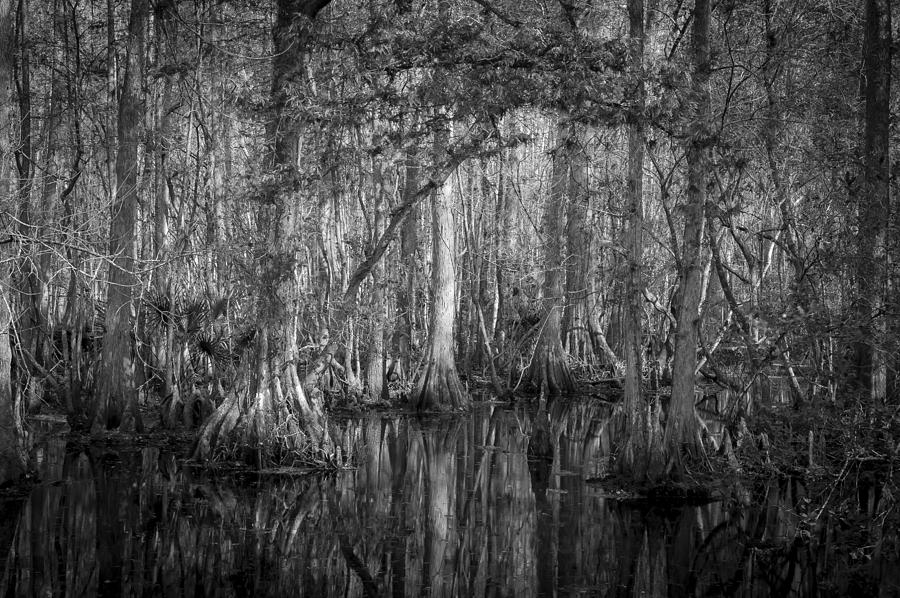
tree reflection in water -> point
(490, 505)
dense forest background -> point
(241, 215)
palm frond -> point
(158, 309)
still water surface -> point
(492, 504)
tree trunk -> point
(549, 370)
(375, 388)
(874, 201)
(116, 404)
(409, 243)
(375, 374)
(439, 387)
(579, 258)
(12, 453)
(223, 170)
(641, 452)
(268, 417)
(27, 281)
(472, 287)
(500, 242)
(112, 86)
(682, 426)
(165, 21)
(484, 298)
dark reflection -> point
(490, 505)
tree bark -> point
(375, 375)
(576, 325)
(165, 21)
(12, 453)
(682, 429)
(439, 387)
(409, 243)
(641, 452)
(27, 281)
(500, 242)
(874, 201)
(549, 370)
(116, 405)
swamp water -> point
(498, 503)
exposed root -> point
(276, 424)
(549, 367)
(439, 389)
(218, 428)
(170, 410)
(687, 457)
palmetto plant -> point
(191, 351)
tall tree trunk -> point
(12, 432)
(579, 258)
(27, 282)
(487, 257)
(409, 243)
(473, 263)
(439, 387)
(268, 417)
(874, 201)
(222, 166)
(500, 241)
(641, 453)
(112, 86)
(682, 429)
(165, 21)
(116, 403)
(375, 388)
(549, 370)
(166, 25)
(12, 454)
